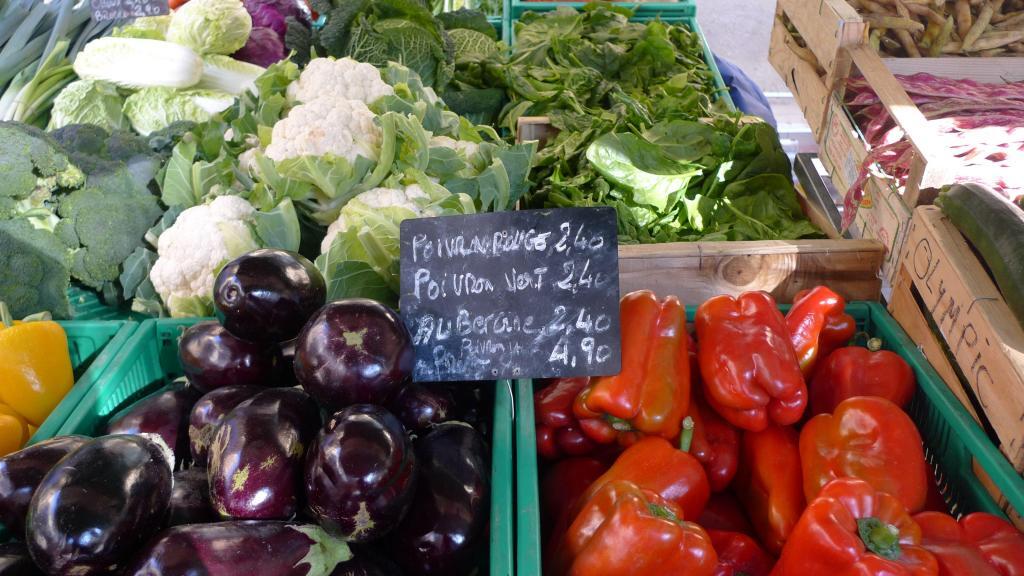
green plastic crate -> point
(149, 360)
(683, 13)
(86, 305)
(951, 437)
(92, 346)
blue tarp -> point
(747, 95)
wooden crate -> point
(802, 76)
(951, 289)
(696, 271)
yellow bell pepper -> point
(13, 431)
(35, 366)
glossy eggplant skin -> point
(257, 455)
(360, 474)
(267, 295)
(367, 562)
(190, 498)
(213, 358)
(254, 547)
(449, 512)
(207, 414)
(419, 407)
(22, 471)
(354, 351)
(15, 561)
(99, 505)
(164, 413)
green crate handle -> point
(959, 440)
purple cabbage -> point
(269, 14)
(263, 48)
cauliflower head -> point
(344, 78)
(378, 198)
(192, 251)
(328, 125)
(464, 147)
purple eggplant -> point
(207, 414)
(190, 498)
(251, 547)
(213, 358)
(360, 474)
(449, 512)
(15, 561)
(100, 504)
(267, 295)
(354, 351)
(164, 413)
(256, 458)
(22, 471)
(366, 562)
(419, 407)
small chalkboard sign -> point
(103, 10)
(527, 294)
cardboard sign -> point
(124, 9)
(528, 294)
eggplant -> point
(366, 562)
(256, 458)
(419, 407)
(446, 522)
(15, 561)
(164, 413)
(22, 471)
(190, 498)
(360, 474)
(100, 504)
(267, 295)
(207, 414)
(249, 547)
(213, 358)
(354, 351)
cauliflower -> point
(327, 125)
(378, 198)
(196, 247)
(465, 147)
(345, 78)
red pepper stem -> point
(880, 538)
(874, 344)
(5, 315)
(686, 436)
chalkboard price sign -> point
(123, 9)
(528, 294)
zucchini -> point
(995, 227)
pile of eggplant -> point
(296, 444)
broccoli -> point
(32, 168)
(34, 270)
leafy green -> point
(88, 102)
(467, 19)
(153, 109)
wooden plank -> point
(800, 76)
(696, 271)
(983, 335)
(826, 26)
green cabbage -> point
(148, 27)
(153, 109)
(88, 102)
(211, 26)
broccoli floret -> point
(468, 19)
(32, 168)
(34, 270)
(110, 217)
(96, 151)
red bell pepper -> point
(851, 529)
(739, 555)
(856, 371)
(867, 438)
(769, 483)
(723, 512)
(623, 530)
(651, 394)
(558, 432)
(655, 464)
(561, 488)
(980, 544)
(818, 324)
(716, 444)
(750, 372)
